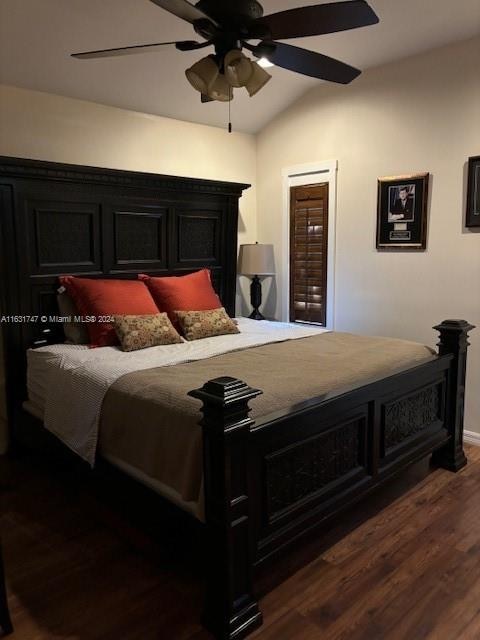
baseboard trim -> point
(472, 437)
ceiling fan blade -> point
(185, 45)
(183, 10)
(311, 63)
(319, 19)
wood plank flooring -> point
(403, 565)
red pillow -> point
(193, 292)
(107, 297)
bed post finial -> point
(231, 610)
(454, 341)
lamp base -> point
(256, 298)
(256, 315)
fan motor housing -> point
(231, 11)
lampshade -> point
(203, 74)
(256, 260)
(238, 68)
(220, 89)
(258, 79)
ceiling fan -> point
(231, 25)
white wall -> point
(420, 114)
(48, 127)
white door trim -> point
(296, 176)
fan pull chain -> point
(230, 114)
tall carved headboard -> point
(66, 219)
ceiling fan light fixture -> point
(258, 80)
(203, 74)
(235, 23)
(238, 68)
(220, 89)
(265, 63)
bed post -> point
(231, 611)
(454, 341)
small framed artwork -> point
(402, 212)
(473, 193)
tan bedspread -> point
(149, 422)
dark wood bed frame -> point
(267, 483)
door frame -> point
(297, 176)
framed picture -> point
(473, 193)
(402, 212)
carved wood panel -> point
(198, 234)
(310, 466)
(140, 237)
(406, 417)
(63, 236)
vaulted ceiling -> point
(37, 36)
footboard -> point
(267, 484)
(316, 461)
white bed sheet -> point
(39, 363)
(67, 383)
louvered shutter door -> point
(308, 253)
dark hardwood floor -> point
(403, 565)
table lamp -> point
(256, 260)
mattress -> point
(43, 361)
(139, 417)
(67, 384)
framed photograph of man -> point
(473, 193)
(401, 203)
(402, 212)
